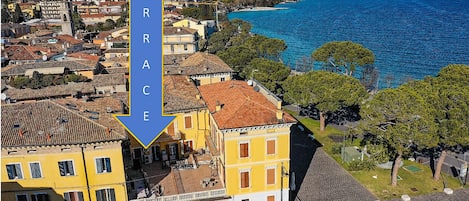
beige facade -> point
(180, 40)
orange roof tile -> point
(82, 55)
(180, 94)
(241, 105)
(22, 52)
(69, 39)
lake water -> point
(410, 38)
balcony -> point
(202, 195)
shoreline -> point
(255, 9)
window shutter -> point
(270, 146)
(99, 165)
(188, 121)
(112, 195)
(270, 198)
(244, 179)
(18, 171)
(171, 129)
(62, 168)
(11, 171)
(108, 164)
(244, 150)
(70, 167)
(270, 176)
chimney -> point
(48, 136)
(218, 106)
(108, 131)
(20, 133)
(279, 114)
(197, 97)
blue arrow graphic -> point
(146, 120)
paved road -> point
(318, 176)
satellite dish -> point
(4, 96)
(256, 88)
(250, 82)
(44, 57)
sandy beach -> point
(259, 9)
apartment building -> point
(252, 135)
(180, 40)
(51, 153)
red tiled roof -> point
(69, 39)
(241, 105)
(92, 15)
(22, 52)
(82, 55)
(180, 94)
(112, 3)
(31, 124)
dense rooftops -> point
(180, 94)
(47, 123)
(198, 64)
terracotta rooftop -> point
(117, 50)
(178, 30)
(102, 80)
(69, 89)
(73, 65)
(118, 70)
(199, 64)
(180, 94)
(99, 110)
(112, 3)
(241, 105)
(70, 39)
(82, 55)
(23, 52)
(47, 123)
(174, 58)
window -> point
(270, 198)
(35, 168)
(73, 196)
(23, 197)
(14, 171)
(270, 175)
(222, 79)
(40, 197)
(244, 179)
(245, 200)
(103, 165)
(185, 46)
(244, 150)
(188, 121)
(105, 195)
(66, 168)
(271, 146)
(171, 129)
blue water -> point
(410, 38)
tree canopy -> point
(327, 91)
(268, 72)
(401, 119)
(343, 56)
(18, 16)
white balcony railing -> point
(218, 193)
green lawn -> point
(417, 183)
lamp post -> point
(282, 174)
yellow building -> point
(180, 40)
(252, 135)
(186, 133)
(193, 24)
(51, 153)
(203, 68)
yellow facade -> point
(257, 164)
(85, 174)
(187, 132)
(201, 28)
(212, 78)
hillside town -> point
(65, 75)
